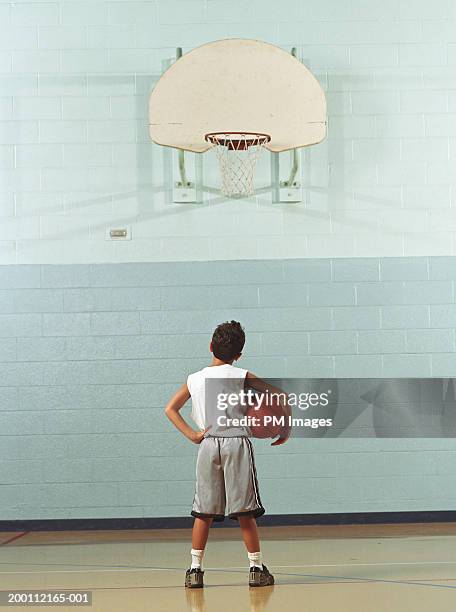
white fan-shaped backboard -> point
(237, 85)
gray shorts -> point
(226, 481)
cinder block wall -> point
(76, 158)
(90, 355)
(357, 280)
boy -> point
(225, 471)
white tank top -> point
(196, 383)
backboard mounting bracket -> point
(184, 189)
(291, 189)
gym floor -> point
(365, 568)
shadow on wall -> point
(325, 167)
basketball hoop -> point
(237, 153)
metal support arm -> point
(184, 182)
(295, 163)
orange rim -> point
(225, 139)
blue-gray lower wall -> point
(90, 354)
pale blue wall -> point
(76, 158)
(90, 354)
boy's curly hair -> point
(228, 340)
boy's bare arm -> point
(172, 412)
(261, 385)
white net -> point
(237, 153)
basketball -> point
(264, 419)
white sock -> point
(255, 559)
(197, 558)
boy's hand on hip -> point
(197, 436)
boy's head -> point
(228, 341)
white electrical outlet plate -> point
(118, 233)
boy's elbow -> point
(168, 411)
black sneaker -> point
(194, 578)
(260, 577)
